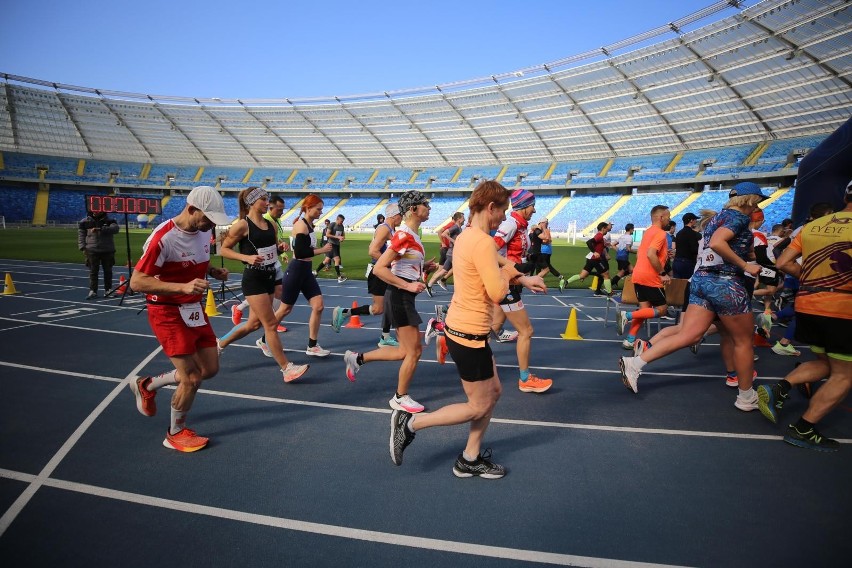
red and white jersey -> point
(409, 262)
(174, 255)
(512, 239)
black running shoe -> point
(811, 440)
(482, 467)
(400, 436)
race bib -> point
(192, 315)
(269, 254)
(709, 258)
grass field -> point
(60, 245)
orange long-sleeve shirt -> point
(479, 284)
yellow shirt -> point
(826, 247)
(479, 284)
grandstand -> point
(689, 108)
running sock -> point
(747, 394)
(168, 378)
(639, 363)
(467, 458)
(573, 279)
(178, 421)
(642, 313)
(631, 337)
(635, 326)
(243, 305)
(785, 386)
(410, 425)
(337, 269)
(372, 310)
(359, 311)
(732, 374)
(802, 425)
(525, 374)
(312, 342)
(615, 280)
(359, 359)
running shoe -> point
(317, 351)
(747, 404)
(440, 312)
(443, 285)
(429, 291)
(441, 349)
(561, 283)
(92, 295)
(219, 348)
(281, 329)
(534, 384)
(507, 336)
(388, 341)
(431, 331)
(811, 439)
(481, 467)
(406, 403)
(352, 366)
(264, 348)
(787, 350)
(236, 314)
(620, 322)
(639, 347)
(734, 381)
(627, 344)
(185, 441)
(146, 402)
(400, 436)
(629, 373)
(337, 317)
(293, 371)
(341, 279)
(770, 400)
(764, 322)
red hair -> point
(310, 200)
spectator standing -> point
(95, 238)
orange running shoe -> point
(534, 384)
(282, 329)
(236, 314)
(185, 441)
(146, 402)
(441, 348)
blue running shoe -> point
(337, 317)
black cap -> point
(688, 218)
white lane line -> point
(455, 547)
(22, 500)
(59, 372)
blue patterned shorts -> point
(724, 295)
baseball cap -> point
(207, 200)
(688, 218)
(746, 188)
(391, 210)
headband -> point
(255, 194)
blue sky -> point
(269, 49)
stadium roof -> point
(778, 69)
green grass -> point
(60, 245)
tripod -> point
(127, 291)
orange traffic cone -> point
(354, 319)
(122, 285)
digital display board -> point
(122, 204)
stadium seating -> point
(584, 209)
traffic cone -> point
(760, 341)
(571, 329)
(9, 288)
(122, 285)
(354, 319)
(210, 308)
(594, 285)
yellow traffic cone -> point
(9, 288)
(571, 329)
(594, 285)
(210, 308)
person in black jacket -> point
(686, 248)
(95, 238)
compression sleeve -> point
(302, 246)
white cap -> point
(207, 200)
(391, 210)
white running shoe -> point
(264, 347)
(317, 351)
(620, 322)
(747, 404)
(440, 312)
(507, 336)
(293, 372)
(337, 317)
(406, 403)
(764, 322)
(431, 331)
(629, 373)
(442, 285)
(352, 366)
(341, 279)
(627, 345)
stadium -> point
(675, 115)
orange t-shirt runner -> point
(643, 273)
